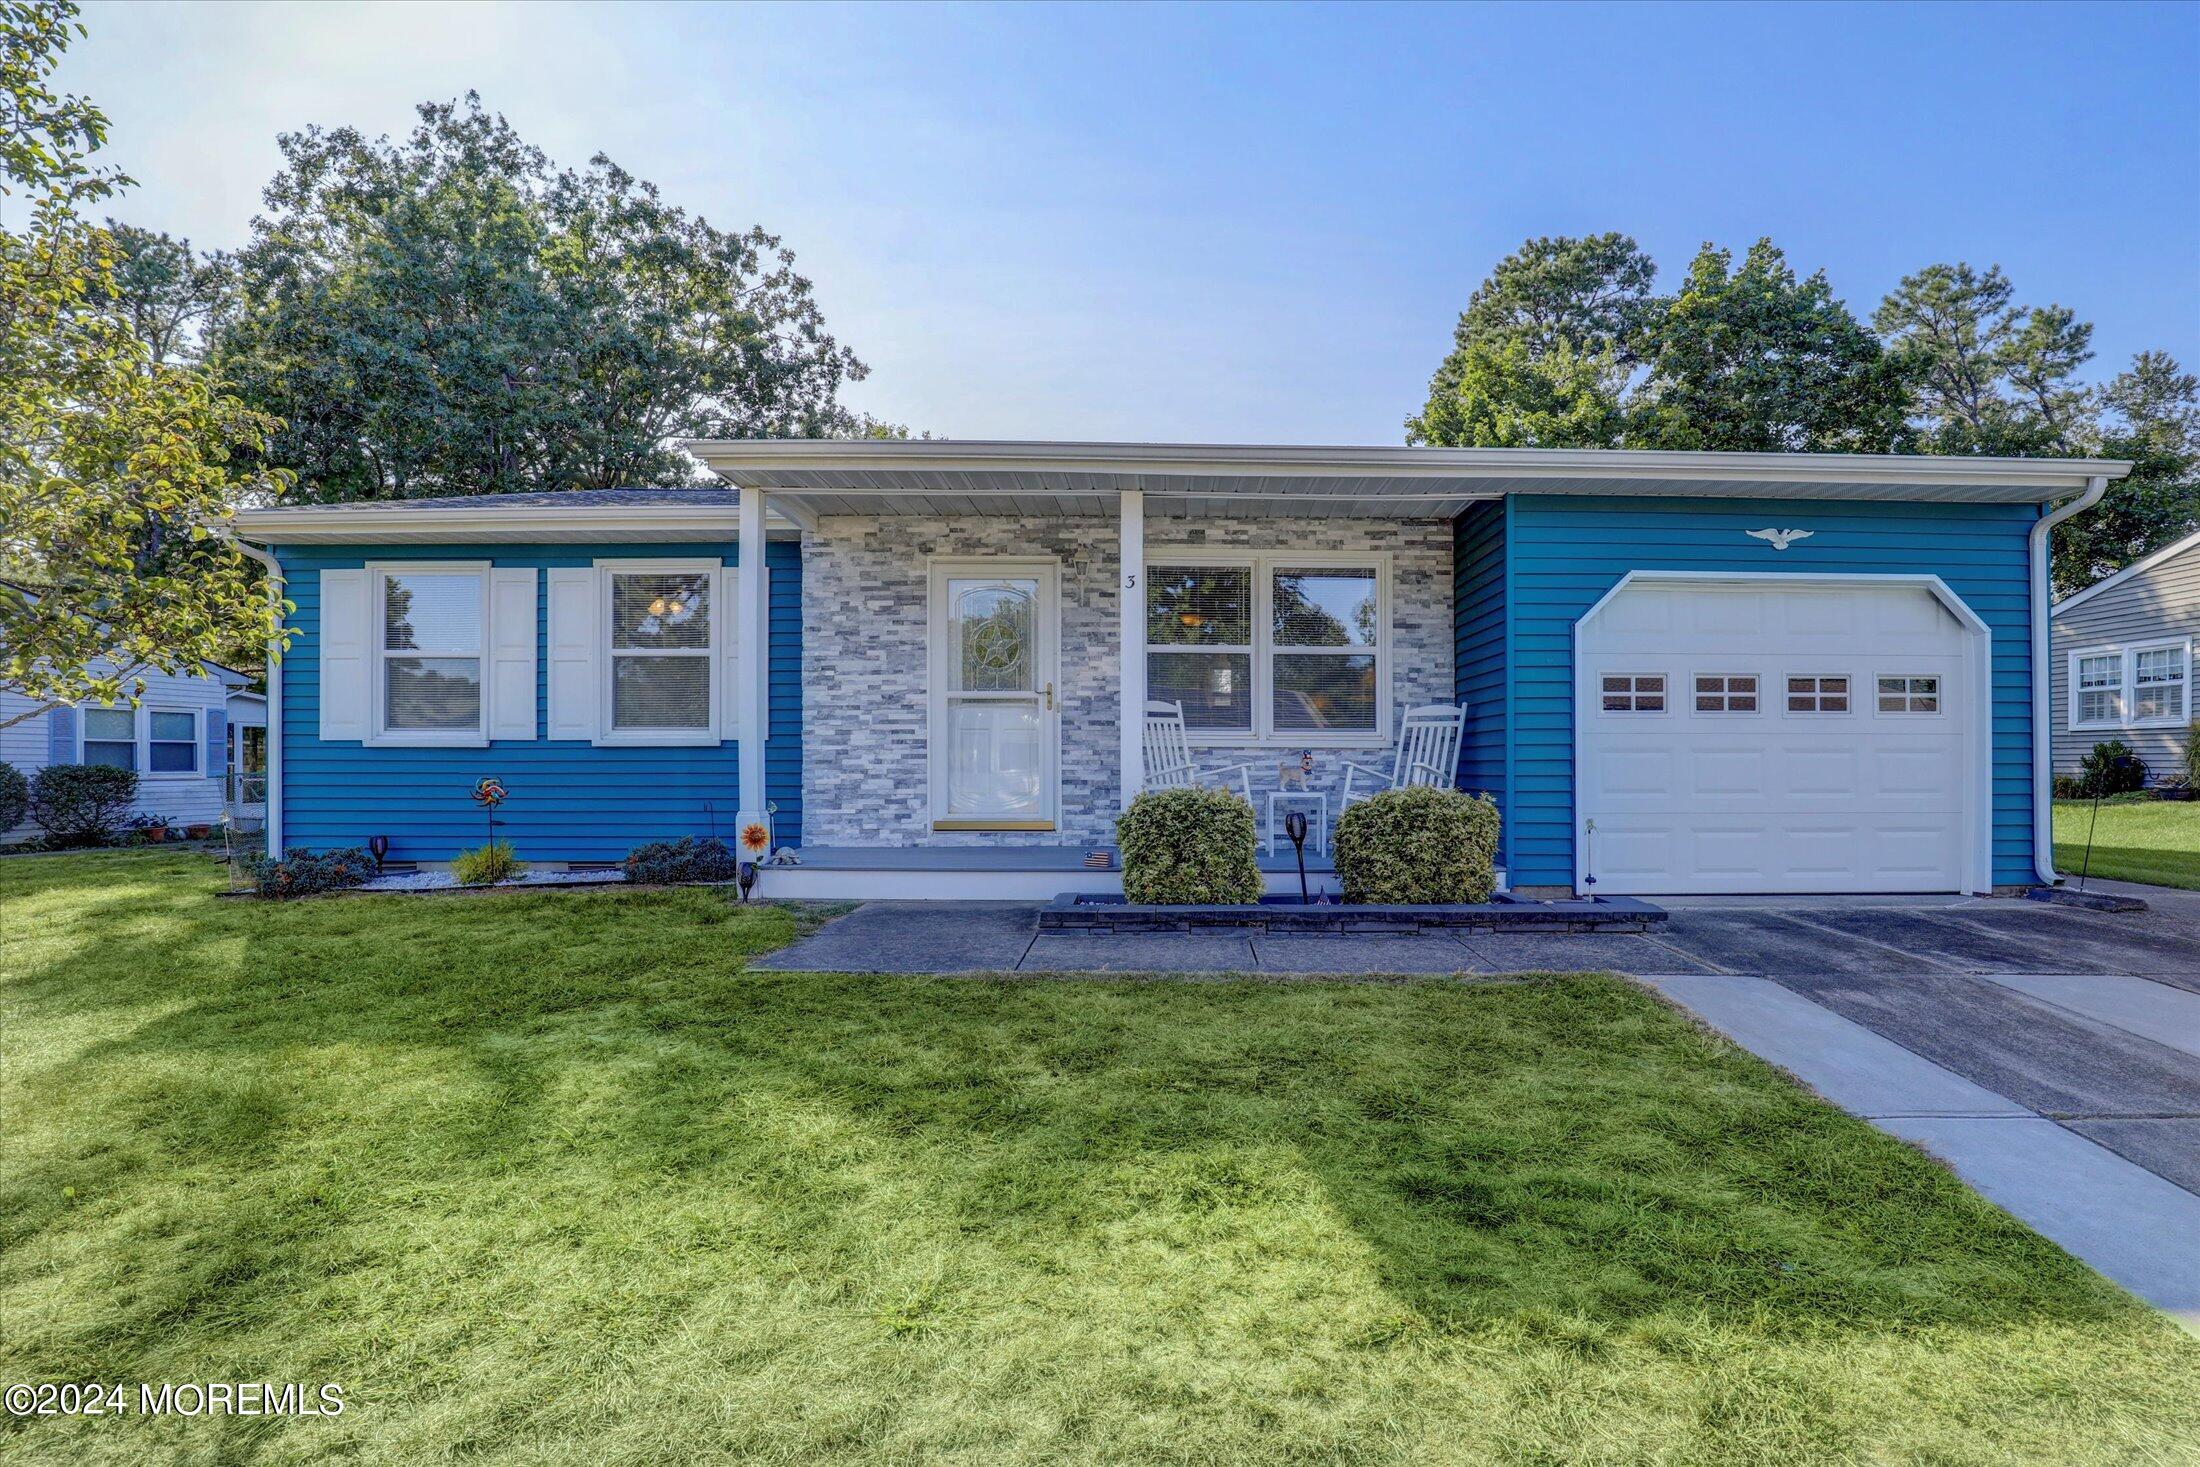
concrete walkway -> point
(2136, 1226)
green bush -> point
(2068, 787)
(1189, 847)
(82, 804)
(2191, 759)
(303, 873)
(1418, 847)
(487, 865)
(666, 863)
(2102, 775)
(15, 796)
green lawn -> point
(549, 1178)
(2139, 839)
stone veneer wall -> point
(864, 584)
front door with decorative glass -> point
(995, 721)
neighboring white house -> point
(176, 738)
(2123, 661)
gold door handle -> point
(1050, 697)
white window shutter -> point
(576, 682)
(512, 653)
(346, 683)
(729, 653)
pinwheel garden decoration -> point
(489, 792)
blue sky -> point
(1245, 223)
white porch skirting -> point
(1012, 874)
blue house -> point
(925, 665)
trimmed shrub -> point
(487, 865)
(82, 804)
(666, 862)
(2191, 758)
(2068, 787)
(2111, 769)
(302, 873)
(1187, 847)
(1418, 847)
(15, 797)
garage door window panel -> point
(1907, 694)
(1733, 692)
(1812, 694)
(1628, 693)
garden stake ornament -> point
(489, 793)
(1294, 826)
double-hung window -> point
(110, 737)
(663, 656)
(432, 622)
(2147, 686)
(173, 743)
(1279, 647)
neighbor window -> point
(662, 651)
(1818, 694)
(432, 633)
(1269, 647)
(174, 745)
(2131, 687)
(1726, 692)
(1633, 692)
(2158, 677)
(110, 737)
(1909, 695)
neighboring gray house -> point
(2122, 649)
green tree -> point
(2151, 417)
(448, 314)
(1756, 360)
(118, 471)
(1541, 356)
(163, 291)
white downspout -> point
(2043, 677)
(274, 697)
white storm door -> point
(995, 726)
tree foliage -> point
(1565, 345)
(450, 314)
(118, 470)
(1755, 360)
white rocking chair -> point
(1169, 756)
(1427, 754)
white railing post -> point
(1131, 676)
(752, 613)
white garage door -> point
(1753, 737)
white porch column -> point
(751, 619)
(1131, 678)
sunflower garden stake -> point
(756, 844)
(489, 793)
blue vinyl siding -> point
(1479, 628)
(1565, 552)
(570, 800)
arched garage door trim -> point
(1978, 678)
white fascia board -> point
(398, 525)
(736, 459)
(2140, 566)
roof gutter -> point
(274, 570)
(2043, 677)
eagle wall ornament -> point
(1779, 539)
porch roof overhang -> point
(810, 477)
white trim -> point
(750, 460)
(752, 655)
(379, 734)
(1046, 673)
(609, 736)
(399, 523)
(1262, 566)
(1130, 591)
(2140, 566)
(1978, 859)
(2127, 686)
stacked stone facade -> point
(865, 581)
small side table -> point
(1315, 805)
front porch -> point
(986, 873)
